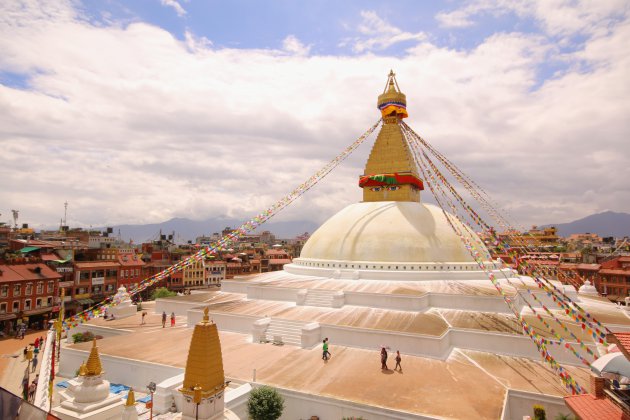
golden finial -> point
(83, 370)
(131, 399)
(94, 361)
(206, 318)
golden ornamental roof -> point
(392, 102)
(204, 366)
(82, 370)
(131, 398)
(93, 366)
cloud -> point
(556, 17)
(131, 125)
(377, 34)
(175, 5)
(293, 45)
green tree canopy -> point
(265, 403)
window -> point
(3, 308)
(17, 290)
(51, 286)
(49, 301)
(110, 288)
(16, 306)
(84, 275)
(40, 288)
(27, 304)
(29, 289)
(4, 291)
(38, 303)
(97, 289)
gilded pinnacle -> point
(131, 399)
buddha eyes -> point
(388, 188)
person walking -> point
(384, 359)
(25, 352)
(327, 347)
(324, 350)
(172, 319)
(31, 390)
(144, 313)
(36, 344)
(398, 360)
(163, 319)
(34, 364)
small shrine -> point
(204, 380)
(123, 307)
(88, 395)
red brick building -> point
(94, 281)
(28, 293)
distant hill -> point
(604, 224)
(186, 229)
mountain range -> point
(604, 224)
(187, 230)
(608, 223)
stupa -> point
(124, 307)
(387, 271)
(88, 395)
(204, 381)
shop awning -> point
(4, 317)
(85, 301)
(28, 249)
(38, 311)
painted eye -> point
(393, 188)
(376, 189)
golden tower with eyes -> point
(390, 172)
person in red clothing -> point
(172, 319)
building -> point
(28, 294)
(94, 281)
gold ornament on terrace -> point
(131, 398)
(93, 366)
(204, 366)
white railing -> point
(42, 395)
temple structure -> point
(204, 381)
(88, 395)
(389, 272)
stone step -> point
(290, 331)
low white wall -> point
(234, 286)
(520, 403)
(225, 321)
(272, 293)
(135, 373)
(468, 302)
(388, 301)
(300, 405)
(180, 307)
(42, 395)
(414, 344)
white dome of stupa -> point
(390, 231)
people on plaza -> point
(144, 313)
(384, 359)
(36, 344)
(398, 360)
(31, 390)
(25, 351)
(34, 364)
(163, 319)
(327, 347)
(324, 349)
(172, 319)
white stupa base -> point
(110, 408)
(209, 408)
(123, 310)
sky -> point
(139, 111)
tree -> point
(162, 292)
(265, 403)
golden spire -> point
(390, 172)
(93, 365)
(204, 366)
(131, 399)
